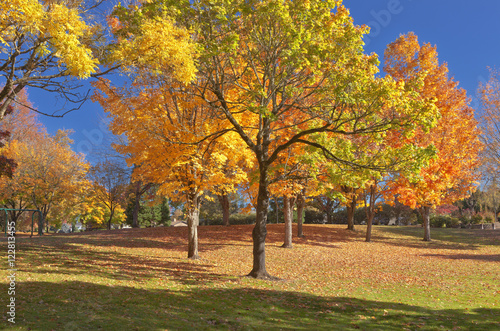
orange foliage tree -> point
(451, 175)
(48, 172)
(175, 141)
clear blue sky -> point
(466, 33)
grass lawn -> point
(140, 279)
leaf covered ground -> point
(140, 279)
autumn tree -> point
(281, 72)
(292, 92)
(490, 117)
(110, 185)
(45, 45)
(374, 157)
(22, 125)
(451, 175)
(288, 179)
(176, 140)
(48, 174)
(48, 171)
(93, 213)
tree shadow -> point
(314, 235)
(76, 305)
(69, 259)
(211, 238)
(442, 238)
(478, 257)
(166, 238)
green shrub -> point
(455, 222)
(237, 219)
(445, 221)
(313, 216)
(476, 219)
(438, 221)
(234, 219)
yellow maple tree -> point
(41, 44)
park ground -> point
(141, 279)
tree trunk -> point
(277, 213)
(370, 213)
(137, 205)
(224, 202)
(351, 207)
(259, 232)
(329, 217)
(111, 218)
(193, 220)
(14, 214)
(425, 212)
(41, 222)
(301, 202)
(288, 222)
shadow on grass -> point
(211, 238)
(161, 237)
(441, 238)
(74, 260)
(78, 305)
(478, 257)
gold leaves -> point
(55, 24)
(160, 46)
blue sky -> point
(466, 33)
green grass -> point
(141, 280)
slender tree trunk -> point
(259, 232)
(288, 222)
(301, 202)
(370, 213)
(329, 217)
(111, 218)
(224, 202)
(193, 220)
(425, 212)
(137, 205)
(277, 212)
(351, 207)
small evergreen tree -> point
(164, 213)
(149, 215)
